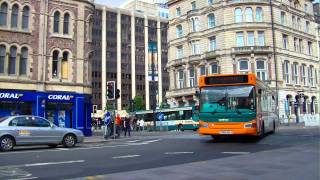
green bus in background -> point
(179, 118)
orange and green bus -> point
(236, 104)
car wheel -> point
(6, 143)
(69, 141)
(53, 145)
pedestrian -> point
(127, 127)
(141, 124)
(118, 124)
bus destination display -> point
(226, 79)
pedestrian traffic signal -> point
(111, 90)
(117, 94)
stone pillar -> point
(80, 45)
(133, 56)
(119, 105)
(104, 59)
(159, 50)
(146, 47)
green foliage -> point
(139, 105)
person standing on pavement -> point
(127, 127)
(141, 124)
(118, 124)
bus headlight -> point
(250, 125)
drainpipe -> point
(274, 57)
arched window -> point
(181, 79)
(25, 17)
(259, 14)
(249, 14)
(238, 15)
(90, 29)
(55, 62)
(211, 21)
(3, 14)
(14, 16)
(261, 69)
(243, 66)
(23, 61)
(64, 65)
(283, 18)
(179, 31)
(214, 68)
(2, 58)
(191, 77)
(56, 19)
(66, 19)
(12, 60)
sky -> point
(113, 3)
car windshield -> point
(226, 99)
(3, 119)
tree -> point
(139, 105)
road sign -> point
(160, 116)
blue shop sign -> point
(18, 96)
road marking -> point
(24, 178)
(179, 153)
(53, 163)
(151, 141)
(63, 149)
(235, 152)
(127, 156)
(132, 141)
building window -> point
(283, 18)
(66, 19)
(295, 44)
(193, 5)
(25, 18)
(249, 15)
(191, 77)
(3, 14)
(238, 15)
(261, 38)
(210, 2)
(295, 73)
(303, 75)
(285, 41)
(55, 62)
(90, 28)
(178, 11)
(202, 71)
(211, 21)
(179, 31)
(286, 72)
(23, 61)
(311, 77)
(194, 24)
(299, 23)
(261, 69)
(305, 8)
(212, 43)
(259, 14)
(56, 20)
(181, 79)
(195, 49)
(179, 52)
(300, 46)
(309, 48)
(294, 22)
(64, 65)
(2, 58)
(243, 66)
(214, 68)
(240, 40)
(12, 60)
(307, 26)
(250, 39)
(14, 16)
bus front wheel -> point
(180, 127)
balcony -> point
(210, 54)
(252, 50)
(176, 62)
(229, 2)
(181, 92)
(195, 58)
(192, 12)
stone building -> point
(123, 41)
(45, 58)
(238, 36)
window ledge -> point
(64, 36)
(14, 30)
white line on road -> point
(132, 141)
(235, 152)
(179, 153)
(151, 141)
(127, 156)
(25, 178)
(53, 163)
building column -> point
(80, 46)
(119, 104)
(171, 79)
(133, 56)
(104, 60)
(146, 51)
(159, 50)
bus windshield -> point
(227, 99)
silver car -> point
(34, 130)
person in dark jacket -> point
(127, 126)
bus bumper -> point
(227, 129)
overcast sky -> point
(114, 3)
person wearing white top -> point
(141, 124)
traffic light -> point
(110, 90)
(117, 94)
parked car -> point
(34, 130)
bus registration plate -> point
(225, 132)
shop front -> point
(71, 110)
